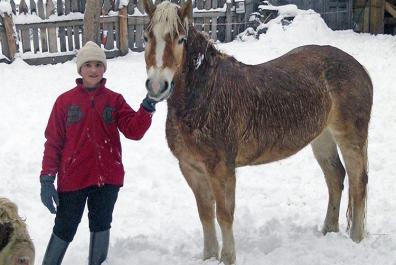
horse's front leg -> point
(223, 184)
(197, 179)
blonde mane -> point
(166, 15)
(9, 213)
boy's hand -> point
(149, 104)
(48, 193)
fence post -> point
(10, 39)
(377, 10)
(228, 21)
(123, 20)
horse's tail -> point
(364, 179)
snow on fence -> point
(48, 34)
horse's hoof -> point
(228, 258)
(328, 228)
(211, 252)
(210, 255)
(357, 237)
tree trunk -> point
(93, 9)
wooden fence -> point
(49, 34)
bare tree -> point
(93, 9)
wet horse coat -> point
(224, 114)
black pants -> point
(100, 202)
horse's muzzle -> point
(159, 90)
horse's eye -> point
(145, 38)
(182, 40)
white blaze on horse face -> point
(160, 46)
(159, 73)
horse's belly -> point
(265, 157)
(255, 154)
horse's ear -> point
(149, 7)
(185, 11)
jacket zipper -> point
(92, 102)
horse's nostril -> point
(147, 83)
(166, 85)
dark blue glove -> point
(48, 193)
(149, 104)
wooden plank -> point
(13, 7)
(207, 6)
(43, 30)
(131, 7)
(52, 39)
(25, 37)
(36, 41)
(199, 21)
(123, 32)
(117, 35)
(76, 33)
(61, 32)
(70, 38)
(9, 32)
(74, 6)
(377, 11)
(51, 24)
(109, 31)
(3, 38)
(228, 22)
(139, 35)
(211, 14)
(49, 60)
(59, 7)
(67, 6)
(23, 8)
(33, 7)
(62, 39)
(82, 6)
(140, 7)
(107, 6)
(35, 34)
(366, 22)
(214, 29)
(110, 19)
(221, 3)
(137, 20)
(391, 9)
(131, 32)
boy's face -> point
(92, 72)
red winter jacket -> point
(83, 143)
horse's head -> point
(165, 39)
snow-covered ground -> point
(279, 207)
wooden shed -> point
(373, 16)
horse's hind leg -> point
(325, 151)
(197, 179)
(353, 146)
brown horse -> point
(223, 114)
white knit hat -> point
(90, 52)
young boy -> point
(83, 150)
